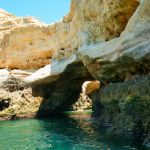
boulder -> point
(17, 100)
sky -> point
(47, 11)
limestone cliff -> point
(25, 43)
(125, 106)
(105, 40)
(91, 22)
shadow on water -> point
(87, 134)
(60, 94)
(61, 133)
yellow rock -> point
(25, 43)
(90, 86)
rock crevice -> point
(105, 40)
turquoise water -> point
(60, 134)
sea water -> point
(62, 133)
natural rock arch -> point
(62, 93)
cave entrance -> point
(4, 104)
(63, 93)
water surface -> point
(60, 134)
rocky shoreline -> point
(104, 41)
(16, 100)
(125, 106)
(122, 108)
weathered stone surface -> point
(62, 93)
(116, 60)
(20, 73)
(13, 84)
(17, 100)
(91, 22)
(90, 86)
(24, 42)
(126, 105)
(50, 72)
(124, 56)
(4, 74)
(98, 40)
(83, 103)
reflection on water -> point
(60, 134)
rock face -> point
(116, 63)
(104, 40)
(115, 60)
(4, 74)
(91, 22)
(125, 105)
(24, 42)
(90, 86)
(125, 56)
(63, 92)
(83, 103)
(17, 100)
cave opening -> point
(4, 104)
(58, 96)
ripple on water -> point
(60, 134)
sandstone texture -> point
(17, 100)
(91, 22)
(123, 57)
(118, 60)
(104, 40)
(24, 42)
(90, 86)
(83, 103)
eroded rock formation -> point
(16, 100)
(105, 40)
(125, 106)
(24, 42)
(125, 56)
(90, 86)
